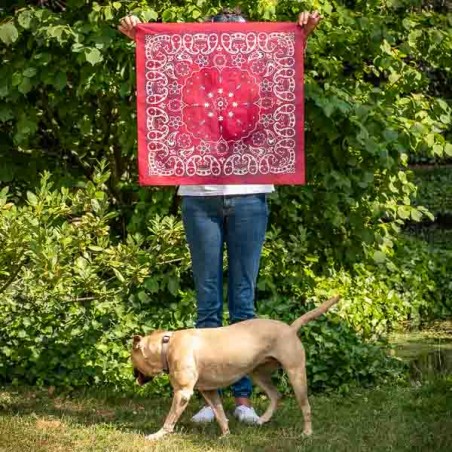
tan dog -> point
(212, 358)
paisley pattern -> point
(219, 105)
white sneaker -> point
(246, 414)
(204, 415)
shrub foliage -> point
(88, 258)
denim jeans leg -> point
(245, 227)
(203, 224)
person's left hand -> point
(309, 21)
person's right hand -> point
(127, 26)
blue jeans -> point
(240, 222)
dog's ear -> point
(136, 342)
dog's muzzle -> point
(140, 378)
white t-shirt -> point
(223, 190)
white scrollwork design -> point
(220, 104)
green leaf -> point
(394, 77)
(143, 297)
(25, 86)
(119, 275)
(24, 19)
(8, 33)
(167, 15)
(437, 150)
(32, 199)
(443, 104)
(149, 15)
(416, 215)
(29, 72)
(386, 47)
(108, 12)
(173, 286)
(152, 285)
(59, 32)
(16, 79)
(93, 55)
(379, 257)
(404, 212)
(77, 47)
(430, 139)
(95, 248)
(5, 113)
(448, 149)
(3, 192)
(429, 215)
(26, 125)
(445, 119)
(60, 81)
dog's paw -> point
(262, 420)
(307, 433)
(156, 436)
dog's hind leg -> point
(180, 402)
(214, 400)
(262, 377)
(297, 377)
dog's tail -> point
(317, 312)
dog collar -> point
(164, 358)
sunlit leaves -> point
(8, 33)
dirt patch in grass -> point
(48, 424)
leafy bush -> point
(72, 296)
(91, 257)
(67, 85)
(69, 292)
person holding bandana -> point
(231, 215)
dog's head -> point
(146, 357)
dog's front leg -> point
(180, 402)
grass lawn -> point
(410, 418)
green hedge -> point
(67, 92)
(74, 297)
(88, 257)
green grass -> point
(412, 418)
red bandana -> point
(220, 103)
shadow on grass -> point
(139, 415)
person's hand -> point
(127, 26)
(309, 21)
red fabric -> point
(220, 103)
